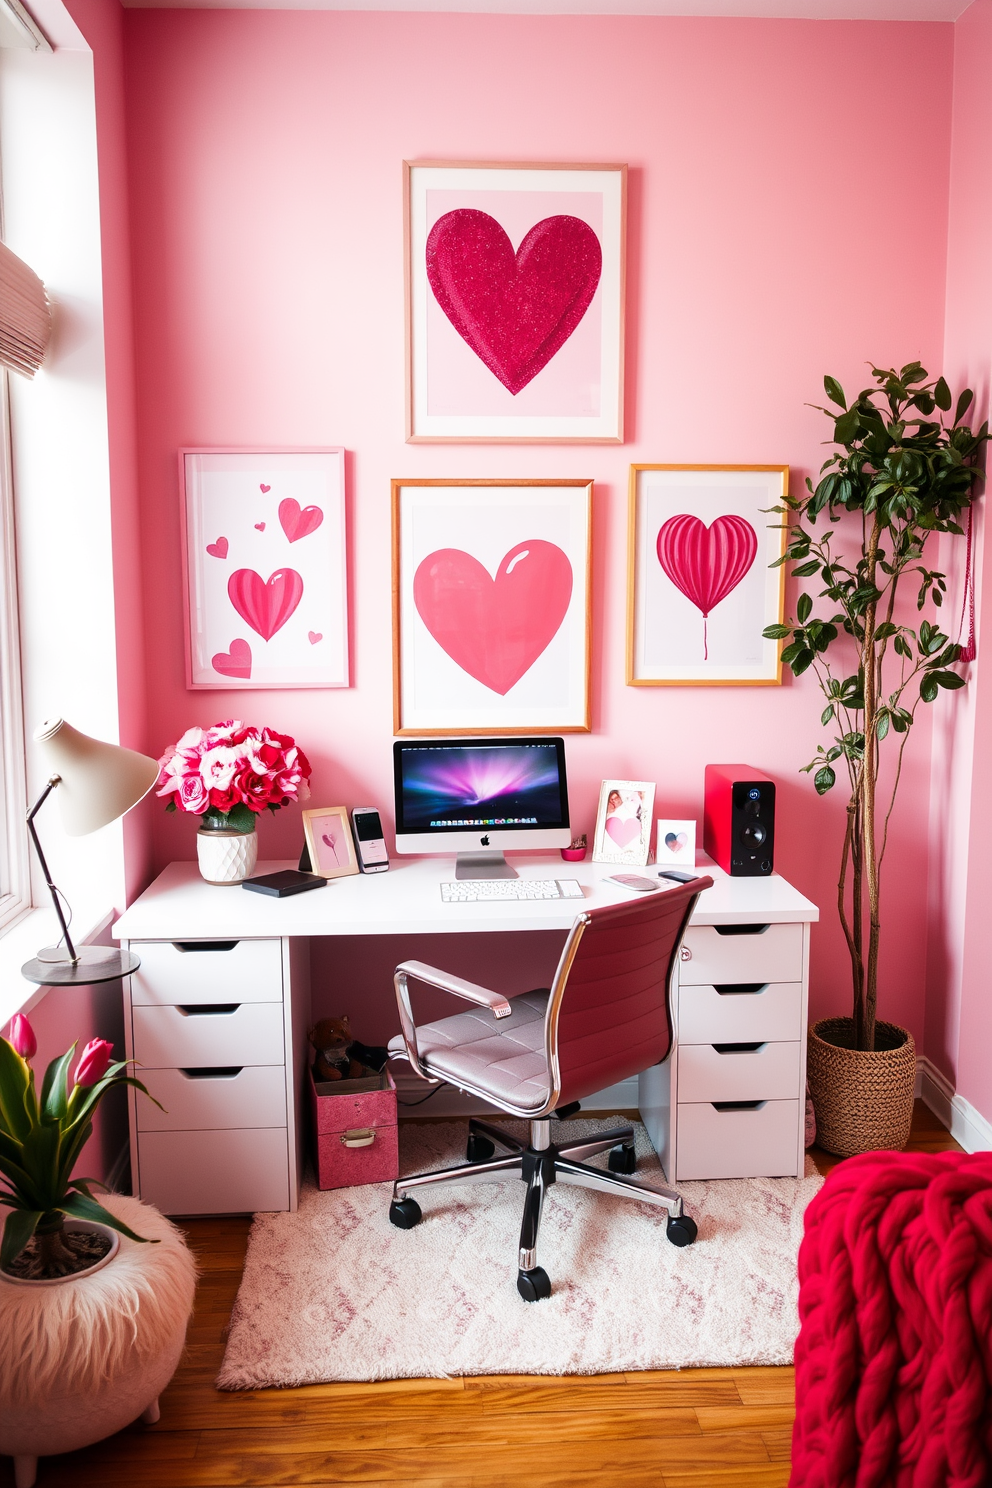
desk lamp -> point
(97, 783)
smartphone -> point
(677, 875)
(634, 881)
(370, 844)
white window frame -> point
(15, 879)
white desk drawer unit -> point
(209, 1024)
(730, 1100)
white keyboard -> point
(493, 890)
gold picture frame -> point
(331, 847)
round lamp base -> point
(53, 968)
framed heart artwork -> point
(515, 302)
(704, 575)
(266, 568)
(491, 606)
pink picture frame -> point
(514, 301)
(329, 841)
(266, 568)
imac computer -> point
(476, 797)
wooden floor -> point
(671, 1429)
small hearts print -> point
(259, 526)
(234, 663)
(315, 636)
(263, 489)
(218, 549)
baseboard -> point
(966, 1125)
(447, 1101)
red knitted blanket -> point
(894, 1355)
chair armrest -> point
(498, 1005)
(469, 990)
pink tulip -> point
(22, 1036)
(93, 1062)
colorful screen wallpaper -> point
(470, 787)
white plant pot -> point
(74, 1226)
(85, 1356)
(226, 856)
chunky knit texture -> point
(894, 1356)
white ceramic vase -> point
(226, 856)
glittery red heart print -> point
(515, 310)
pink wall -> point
(959, 1009)
(265, 154)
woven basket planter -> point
(863, 1100)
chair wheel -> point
(405, 1213)
(479, 1148)
(681, 1230)
(534, 1285)
(623, 1160)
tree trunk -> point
(56, 1259)
(868, 782)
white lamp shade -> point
(99, 781)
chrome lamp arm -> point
(53, 782)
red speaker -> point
(739, 820)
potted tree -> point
(94, 1312)
(902, 472)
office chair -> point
(605, 1017)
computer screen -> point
(453, 793)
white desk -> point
(218, 1013)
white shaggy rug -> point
(335, 1292)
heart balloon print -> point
(706, 563)
(494, 628)
(265, 604)
(515, 310)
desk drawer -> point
(774, 954)
(758, 1142)
(769, 1072)
(207, 971)
(740, 1012)
(174, 1038)
(215, 1172)
(213, 1100)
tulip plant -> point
(41, 1137)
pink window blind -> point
(25, 315)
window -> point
(15, 888)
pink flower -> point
(22, 1036)
(192, 795)
(218, 766)
(94, 1062)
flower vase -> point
(225, 855)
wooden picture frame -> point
(623, 823)
(515, 283)
(701, 540)
(492, 606)
(329, 841)
(247, 514)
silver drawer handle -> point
(358, 1136)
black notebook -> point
(281, 884)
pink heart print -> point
(494, 629)
(296, 523)
(218, 549)
(233, 663)
(515, 310)
(259, 526)
(314, 636)
(706, 563)
(623, 829)
(675, 843)
(265, 604)
(263, 489)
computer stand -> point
(483, 865)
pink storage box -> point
(354, 1131)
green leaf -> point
(80, 1206)
(17, 1231)
(803, 661)
(882, 723)
(950, 680)
(942, 394)
(846, 427)
(16, 1095)
(776, 632)
(928, 687)
(806, 569)
(824, 780)
(804, 606)
(55, 1086)
(835, 392)
(827, 714)
(964, 403)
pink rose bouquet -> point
(229, 773)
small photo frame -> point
(329, 841)
(676, 844)
(266, 567)
(623, 823)
(701, 587)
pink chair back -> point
(613, 1016)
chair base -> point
(540, 1164)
